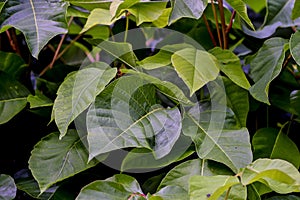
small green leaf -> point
(295, 47)
(43, 20)
(190, 9)
(241, 8)
(53, 160)
(212, 187)
(13, 97)
(8, 189)
(295, 12)
(230, 64)
(281, 176)
(195, 67)
(257, 6)
(273, 143)
(265, 67)
(39, 100)
(78, 91)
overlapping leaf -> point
(266, 66)
(13, 97)
(126, 114)
(53, 160)
(78, 91)
(295, 46)
(38, 20)
(296, 10)
(241, 8)
(8, 189)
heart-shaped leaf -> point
(38, 20)
(126, 114)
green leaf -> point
(2, 3)
(13, 97)
(170, 193)
(295, 101)
(279, 14)
(118, 187)
(26, 183)
(147, 11)
(285, 197)
(91, 4)
(212, 187)
(295, 11)
(241, 8)
(257, 6)
(39, 100)
(12, 64)
(195, 67)
(191, 9)
(38, 20)
(165, 87)
(119, 50)
(230, 64)
(281, 176)
(8, 189)
(98, 16)
(78, 91)
(273, 143)
(295, 47)
(143, 158)
(265, 67)
(53, 160)
(126, 114)
(237, 100)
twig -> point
(231, 22)
(217, 23)
(209, 31)
(221, 9)
(13, 41)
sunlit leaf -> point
(39, 100)
(195, 67)
(273, 143)
(8, 189)
(53, 160)
(257, 6)
(230, 64)
(190, 9)
(13, 97)
(91, 4)
(78, 91)
(281, 176)
(241, 8)
(265, 67)
(212, 187)
(38, 20)
(296, 10)
(134, 119)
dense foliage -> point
(152, 100)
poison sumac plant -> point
(149, 99)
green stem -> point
(127, 25)
(227, 194)
(202, 167)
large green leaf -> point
(281, 176)
(13, 97)
(190, 9)
(215, 130)
(266, 66)
(118, 187)
(279, 14)
(296, 10)
(212, 187)
(53, 160)
(273, 143)
(231, 66)
(241, 8)
(126, 114)
(295, 47)
(195, 67)
(8, 189)
(78, 91)
(180, 175)
(38, 20)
